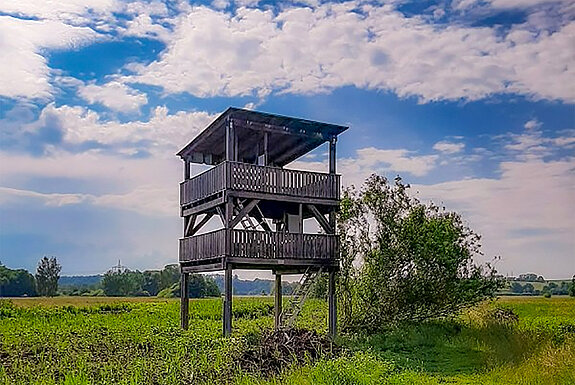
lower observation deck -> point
(257, 249)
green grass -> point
(71, 340)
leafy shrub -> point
(416, 260)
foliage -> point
(572, 287)
(416, 259)
(199, 286)
(47, 275)
(122, 283)
(16, 283)
(319, 287)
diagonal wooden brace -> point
(320, 219)
(204, 220)
(243, 212)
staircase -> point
(289, 315)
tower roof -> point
(288, 138)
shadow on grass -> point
(449, 347)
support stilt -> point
(184, 300)
(228, 302)
(332, 318)
(278, 302)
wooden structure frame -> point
(251, 192)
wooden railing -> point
(204, 246)
(261, 179)
(269, 245)
(203, 185)
(258, 245)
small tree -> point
(122, 283)
(516, 288)
(47, 276)
(403, 260)
(572, 287)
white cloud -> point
(114, 95)
(448, 147)
(514, 214)
(24, 72)
(163, 134)
(371, 160)
(507, 4)
(62, 9)
(532, 124)
(304, 50)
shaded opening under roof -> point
(287, 138)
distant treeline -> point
(162, 283)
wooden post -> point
(332, 143)
(278, 301)
(228, 301)
(184, 300)
(332, 169)
(266, 148)
(332, 317)
(229, 141)
(186, 169)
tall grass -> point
(118, 341)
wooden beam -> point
(332, 303)
(283, 198)
(278, 302)
(332, 157)
(243, 212)
(184, 301)
(221, 214)
(227, 316)
(186, 169)
(203, 207)
(259, 217)
(189, 223)
(229, 140)
(204, 220)
(320, 219)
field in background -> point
(85, 340)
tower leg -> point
(184, 300)
(228, 301)
(278, 301)
(332, 305)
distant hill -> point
(80, 280)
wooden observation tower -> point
(261, 206)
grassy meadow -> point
(79, 340)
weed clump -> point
(277, 350)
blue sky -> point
(470, 101)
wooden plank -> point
(203, 207)
(276, 263)
(282, 198)
(203, 268)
